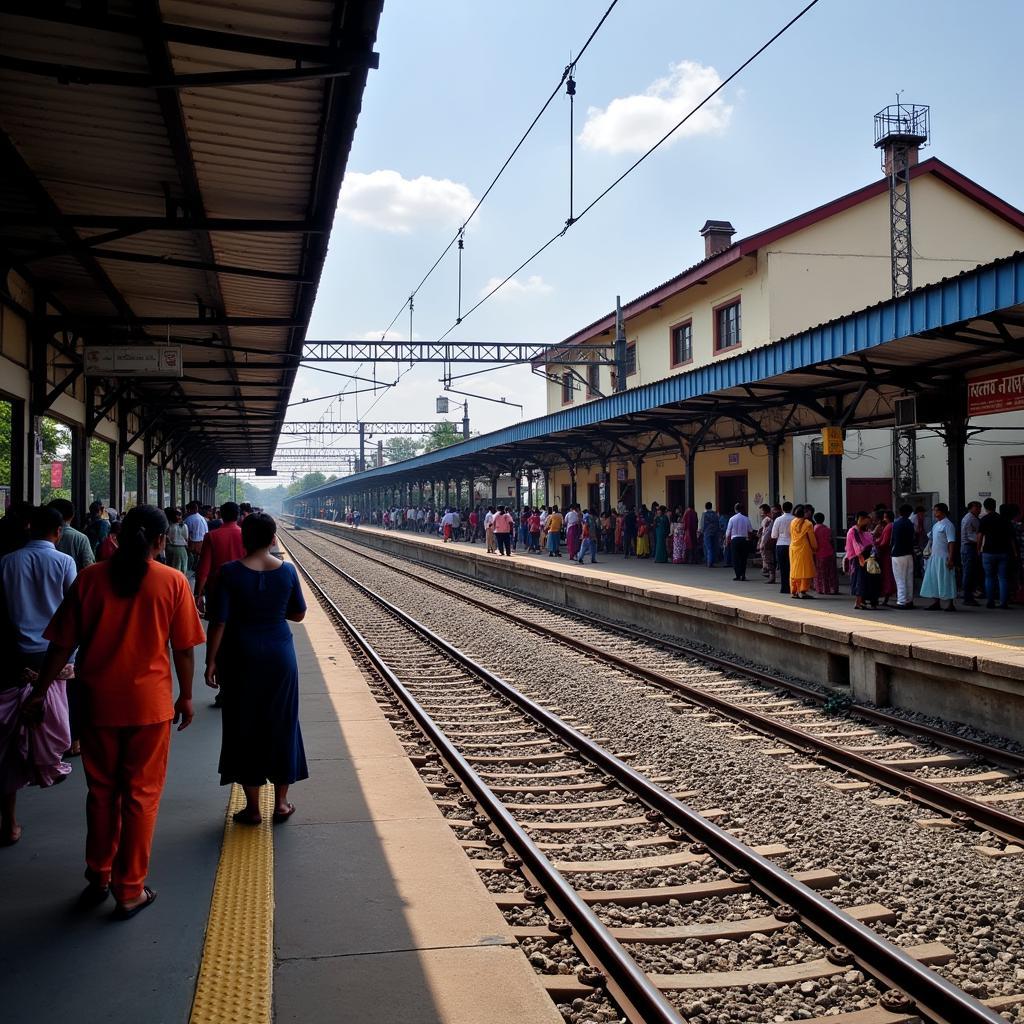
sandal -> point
(12, 837)
(123, 913)
(284, 815)
(92, 896)
(245, 817)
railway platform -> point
(967, 667)
(361, 908)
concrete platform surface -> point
(59, 965)
(1003, 627)
(965, 667)
(379, 914)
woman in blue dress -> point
(251, 658)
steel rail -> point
(629, 985)
(934, 996)
(1009, 826)
(1007, 758)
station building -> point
(746, 293)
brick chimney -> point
(717, 236)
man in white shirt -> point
(489, 529)
(737, 536)
(780, 534)
(198, 528)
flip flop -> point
(92, 896)
(12, 838)
(243, 817)
(280, 816)
(122, 913)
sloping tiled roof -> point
(706, 268)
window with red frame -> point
(728, 333)
(593, 380)
(567, 387)
(682, 343)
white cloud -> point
(533, 285)
(386, 200)
(384, 336)
(631, 124)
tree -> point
(56, 448)
(398, 449)
(443, 435)
(304, 483)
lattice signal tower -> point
(901, 130)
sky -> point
(460, 80)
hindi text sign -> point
(133, 361)
(997, 392)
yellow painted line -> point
(236, 971)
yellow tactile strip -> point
(236, 971)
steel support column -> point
(774, 475)
(639, 467)
(80, 470)
(837, 518)
(691, 475)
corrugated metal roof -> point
(268, 150)
(894, 327)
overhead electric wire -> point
(460, 234)
(636, 163)
(569, 68)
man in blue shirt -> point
(34, 580)
(903, 531)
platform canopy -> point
(848, 372)
(169, 172)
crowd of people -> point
(887, 555)
(90, 622)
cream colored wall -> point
(650, 330)
(824, 271)
(658, 468)
(842, 264)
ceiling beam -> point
(136, 223)
(80, 74)
(97, 17)
(50, 215)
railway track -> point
(964, 780)
(517, 783)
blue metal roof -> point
(974, 293)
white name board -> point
(134, 361)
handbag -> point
(871, 565)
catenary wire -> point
(636, 163)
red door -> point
(1013, 480)
(864, 493)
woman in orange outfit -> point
(802, 547)
(122, 614)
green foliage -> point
(99, 472)
(304, 483)
(398, 449)
(5, 443)
(836, 704)
(443, 435)
(56, 448)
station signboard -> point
(996, 392)
(133, 361)
(831, 440)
